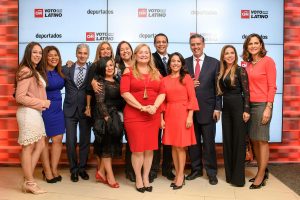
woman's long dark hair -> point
(118, 58)
(182, 71)
(27, 62)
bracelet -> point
(87, 107)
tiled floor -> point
(199, 189)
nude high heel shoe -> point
(32, 187)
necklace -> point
(145, 96)
(254, 62)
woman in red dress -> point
(140, 87)
(177, 118)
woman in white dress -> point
(31, 97)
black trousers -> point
(71, 141)
(204, 151)
(234, 143)
(167, 163)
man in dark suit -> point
(74, 107)
(204, 70)
(161, 58)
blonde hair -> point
(153, 71)
(97, 57)
(223, 67)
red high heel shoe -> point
(114, 185)
(99, 178)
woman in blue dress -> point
(54, 116)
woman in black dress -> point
(233, 86)
(108, 138)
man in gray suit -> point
(204, 70)
(74, 107)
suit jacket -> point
(206, 92)
(159, 64)
(75, 98)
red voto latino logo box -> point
(90, 36)
(245, 14)
(38, 13)
(244, 64)
(142, 12)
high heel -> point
(58, 178)
(142, 189)
(99, 178)
(32, 187)
(176, 187)
(263, 183)
(172, 185)
(53, 180)
(266, 175)
(114, 185)
(149, 189)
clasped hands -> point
(151, 109)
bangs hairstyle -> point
(246, 55)
(223, 67)
(97, 56)
(100, 66)
(58, 68)
(27, 62)
(154, 73)
(182, 71)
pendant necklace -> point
(145, 96)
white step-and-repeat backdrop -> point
(66, 23)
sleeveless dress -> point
(54, 116)
(180, 98)
(30, 122)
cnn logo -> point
(142, 12)
(38, 13)
(245, 14)
(244, 64)
(90, 36)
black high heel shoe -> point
(141, 190)
(58, 178)
(172, 185)
(149, 189)
(53, 180)
(176, 187)
(263, 183)
(266, 175)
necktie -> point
(197, 69)
(80, 77)
(164, 59)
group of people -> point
(152, 99)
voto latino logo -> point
(155, 13)
(41, 13)
(254, 14)
(99, 36)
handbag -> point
(249, 152)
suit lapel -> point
(204, 68)
(190, 66)
(72, 72)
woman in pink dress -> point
(177, 118)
